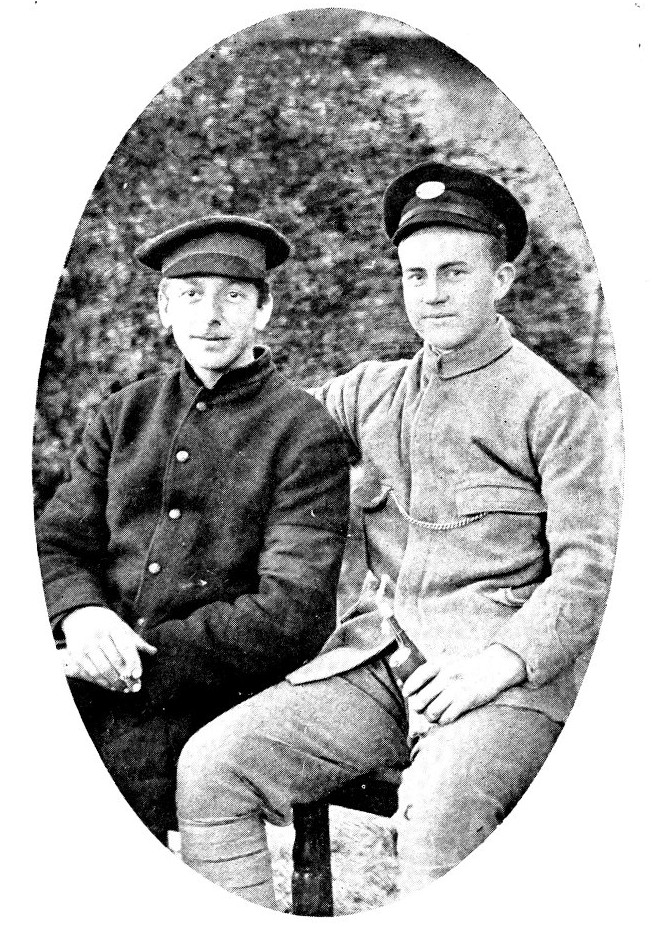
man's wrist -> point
(59, 619)
(64, 620)
(83, 608)
(514, 667)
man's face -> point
(214, 320)
(450, 284)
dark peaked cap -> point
(434, 194)
(227, 246)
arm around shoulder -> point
(340, 396)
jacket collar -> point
(233, 383)
(484, 350)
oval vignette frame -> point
(468, 867)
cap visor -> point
(441, 219)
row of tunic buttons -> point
(182, 455)
(154, 567)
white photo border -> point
(78, 74)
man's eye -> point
(454, 272)
(234, 294)
(189, 292)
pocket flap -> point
(498, 498)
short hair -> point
(262, 287)
(263, 291)
(497, 248)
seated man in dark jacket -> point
(192, 558)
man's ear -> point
(264, 313)
(503, 279)
(162, 299)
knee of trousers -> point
(455, 818)
(438, 827)
(447, 808)
(213, 774)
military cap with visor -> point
(435, 194)
(216, 245)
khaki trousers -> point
(296, 743)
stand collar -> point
(484, 350)
(236, 380)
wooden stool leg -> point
(312, 881)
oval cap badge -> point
(430, 189)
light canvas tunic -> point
(485, 493)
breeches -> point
(297, 743)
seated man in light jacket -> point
(192, 559)
(483, 484)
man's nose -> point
(213, 306)
(433, 291)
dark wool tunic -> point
(213, 522)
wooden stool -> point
(312, 880)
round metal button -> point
(182, 455)
(140, 622)
(154, 567)
(175, 514)
(201, 406)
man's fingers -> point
(453, 712)
(128, 674)
(438, 706)
(105, 648)
(463, 700)
(120, 678)
(91, 665)
(79, 672)
(106, 667)
(133, 667)
(129, 644)
(145, 646)
(87, 663)
(118, 659)
(113, 654)
(427, 694)
(126, 643)
(419, 678)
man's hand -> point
(104, 649)
(443, 690)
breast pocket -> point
(472, 499)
